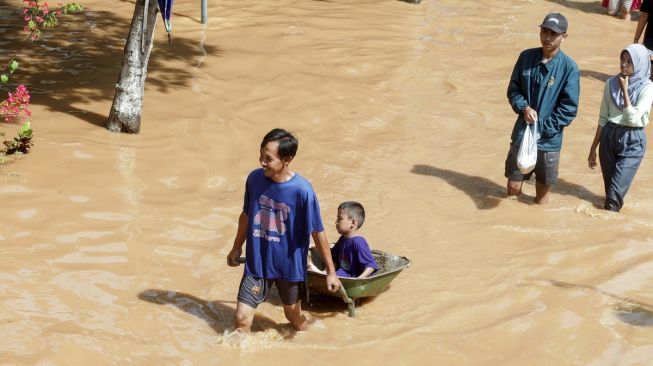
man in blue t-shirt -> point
(280, 214)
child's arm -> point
(367, 272)
(365, 258)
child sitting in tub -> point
(351, 254)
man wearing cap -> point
(544, 87)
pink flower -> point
(17, 103)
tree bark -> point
(125, 115)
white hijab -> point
(638, 80)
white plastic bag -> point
(527, 155)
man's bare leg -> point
(514, 188)
(244, 317)
(294, 315)
(541, 193)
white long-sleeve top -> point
(636, 115)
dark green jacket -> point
(552, 89)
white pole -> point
(205, 17)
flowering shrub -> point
(22, 143)
(16, 104)
(37, 16)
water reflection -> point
(485, 193)
(488, 194)
(215, 313)
(626, 309)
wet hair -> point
(287, 142)
(354, 210)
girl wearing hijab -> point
(624, 113)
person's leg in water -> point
(294, 315)
(244, 317)
(608, 162)
(613, 7)
(512, 172)
(514, 187)
(252, 292)
(290, 294)
(623, 151)
(624, 12)
(546, 174)
(542, 193)
(622, 177)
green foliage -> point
(13, 66)
(37, 17)
(72, 8)
(20, 144)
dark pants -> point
(546, 166)
(620, 152)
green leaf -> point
(13, 65)
(73, 8)
(4, 78)
(26, 130)
(31, 25)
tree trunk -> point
(125, 115)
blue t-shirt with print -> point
(351, 256)
(281, 217)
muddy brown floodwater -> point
(114, 245)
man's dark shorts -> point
(546, 167)
(254, 290)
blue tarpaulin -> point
(165, 6)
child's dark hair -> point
(355, 210)
(287, 142)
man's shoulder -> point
(568, 61)
(532, 51)
(531, 54)
(256, 173)
(302, 183)
(255, 178)
(529, 57)
(300, 178)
